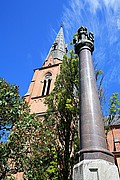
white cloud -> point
(94, 5)
(113, 4)
(108, 4)
(118, 23)
(103, 18)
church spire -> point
(59, 48)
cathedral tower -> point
(44, 78)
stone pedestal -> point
(95, 170)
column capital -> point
(83, 40)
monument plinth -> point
(93, 155)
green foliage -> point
(30, 145)
(4, 151)
(10, 106)
(114, 111)
(114, 108)
(115, 104)
(62, 114)
(28, 148)
(11, 109)
(52, 169)
(99, 75)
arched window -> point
(46, 85)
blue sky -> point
(28, 29)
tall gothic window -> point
(46, 85)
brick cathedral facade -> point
(44, 78)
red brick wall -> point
(113, 140)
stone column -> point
(93, 149)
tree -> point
(99, 75)
(10, 106)
(31, 148)
(11, 109)
(114, 105)
(62, 114)
(114, 111)
(28, 149)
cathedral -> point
(44, 78)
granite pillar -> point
(92, 136)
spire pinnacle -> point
(59, 48)
(62, 24)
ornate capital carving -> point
(82, 39)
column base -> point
(104, 154)
(97, 169)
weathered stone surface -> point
(95, 170)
